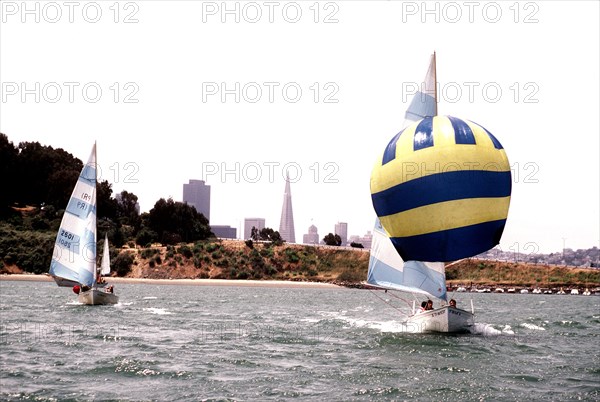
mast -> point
(95, 219)
(435, 86)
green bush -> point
(149, 252)
(122, 263)
(146, 236)
(291, 255)
(185, 251)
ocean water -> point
(234, 343)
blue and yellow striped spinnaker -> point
(442, 189)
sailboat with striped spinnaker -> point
(441, 191)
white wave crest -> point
(159, 311)
(532, 326)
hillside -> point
(236, 259)
(505, 273)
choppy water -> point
(240, 343)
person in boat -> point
(100, 279)
(452, 303)
(429, 305)
(422, 308)
(85, 288)
(109, 289)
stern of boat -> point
(443, 320)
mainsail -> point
(74, 257)
(386, 268)
(105, 264)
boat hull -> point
(97, 297)
(64, 282)
(445, 319)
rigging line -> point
(386, 302)
(408, 303)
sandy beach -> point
(186, 282)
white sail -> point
(386, 268)
(389, 271)
(105, 264)
(424, 102)
(74, 257)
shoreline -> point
(187, 282)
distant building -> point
(312, 237)
(258, 223)
(341, 229)
(196, 193)
(286, 224)
(366, 240)
(224, 231)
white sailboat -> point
(388, 270)
(74, 258)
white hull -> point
(97, 297)
(444, 319)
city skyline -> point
(197, 194)
(321, 108)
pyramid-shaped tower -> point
(286, 224)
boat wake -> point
(489, 330)
(158, 311)
(532, 326)
(392, 326)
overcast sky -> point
(235, 95)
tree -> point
(8, 171)
(128, 210)
(107, 206)
(267, 234)
(44, 175)
(175, 222)
(332, 240)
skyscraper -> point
(197, 194)
(312, 237)
(341, 229)
(258, 223)
(286, 224)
